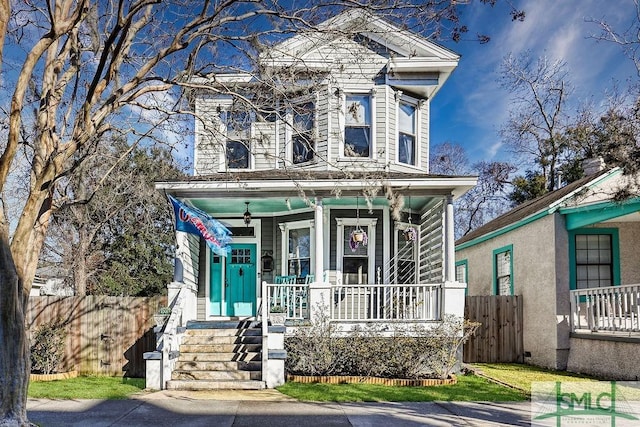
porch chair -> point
(300, 297)
(279, 297)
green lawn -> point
(521, 376)
(468, 388)
(86, 388)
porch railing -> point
(395, 302)
(386, 302)
(292, 298)
(613, 309)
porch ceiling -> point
(277, 192)
(282, 205)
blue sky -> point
(471, 107)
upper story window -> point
(407, 133)
(357, 130)
(303, 132)
(238, 145)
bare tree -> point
(92, 71)
(628, 37)
(536, 128)
(487, 199)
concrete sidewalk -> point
(267, 408)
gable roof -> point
(532, 209)
(402, 44)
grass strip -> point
(521, 376)
(90, 387)
(469, 388)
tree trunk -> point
(14, 351)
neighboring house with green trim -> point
(572, 255)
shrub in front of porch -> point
(416, 351)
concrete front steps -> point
(219, 355)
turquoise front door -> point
(240, 283)
(232, 290)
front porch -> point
(393, 303)
(300, 253)
(613, 310)
(605, 332)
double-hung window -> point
(357, 130)
(299, 252)
(503, 270)
(298, 242)
(238, 148)
(595, 258)
(303, 132)
(407, 133)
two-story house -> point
(327, 139)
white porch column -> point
(449, 243)
(454, 292)
(319, 230)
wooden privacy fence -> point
(105, 335)
(499, 338)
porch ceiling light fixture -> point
(247, 215)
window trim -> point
(343, 95)
(464, 262)
(615, 253)
(224, 165)
(285, 227)
(496, 290)
(291, 133)
(371, 245)
(415, 103)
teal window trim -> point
(506, 248)
(466, 269)
(615, 252)
(466, 273)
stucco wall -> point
(534, 277)
(614, 360)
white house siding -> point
(206, 157)
(263, 144)
(423, 146)
(534, 277)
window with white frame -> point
(357, 129)
(300, 252)
(298, 248)
(356, 257)
(407, 133)
(238, 148)
(303, 132)
(503, 271)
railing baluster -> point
(613, 308)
